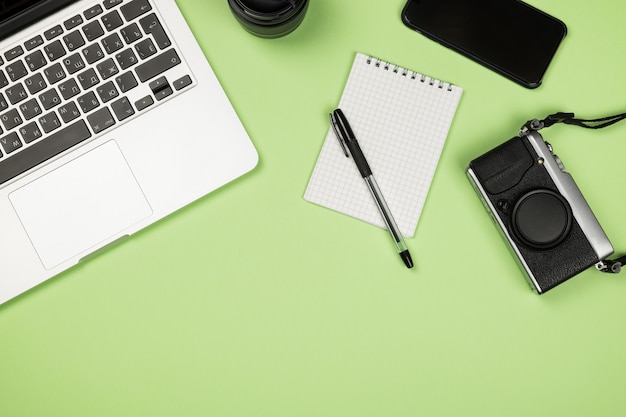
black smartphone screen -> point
(508, 36)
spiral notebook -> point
(401, 119)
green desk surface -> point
(253, 302)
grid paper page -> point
(401, 120)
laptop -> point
(110, 119)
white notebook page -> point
(401, 119)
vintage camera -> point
(539, 209)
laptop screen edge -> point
(30, 12)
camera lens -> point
(541, 219)
(269, 18)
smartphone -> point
(508, 36)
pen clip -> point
(339, 133)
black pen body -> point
(350, 146)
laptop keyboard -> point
(83, 76)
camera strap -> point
(570, 119)
(610, 266)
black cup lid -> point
(267, 8)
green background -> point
(254, 302)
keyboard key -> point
(43, 150)
(30, 109)
(122, 108)
(33, 43)
(68, 112)
(144, 103)
(112, 43)
(131, 33)
(35, 83)
(166, 92)
(88, 79)
(69, 89)
(157, 65)
(54, 73)
(35, 60)
(135, 9)
(49, 99)
(54, 51)
(72, 22)
(112, 20)
(88, 102)
(107, 91)
(3, 80)
(10, 119)
(126, 81)
(3, 103)
(101, 120)
(53, 32)
(145, 48)
(73, 40)
(16, 70)
(92, 12)
(151, 25)
(111, 3)
(126, 59)
(93, 53)
(107, 68)
(10, 143)
(73, 63)
(182, 82)
(30, 132)
(16, 93)
(160, 88)
(49, 122)
(13, 53)
(93, 30)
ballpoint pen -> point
(350, 146)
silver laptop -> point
(111, 118)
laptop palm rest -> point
(81, 205)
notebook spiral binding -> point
(379, 63)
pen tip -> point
(406, 257)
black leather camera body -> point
(539, 210)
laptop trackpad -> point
(80, 205)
